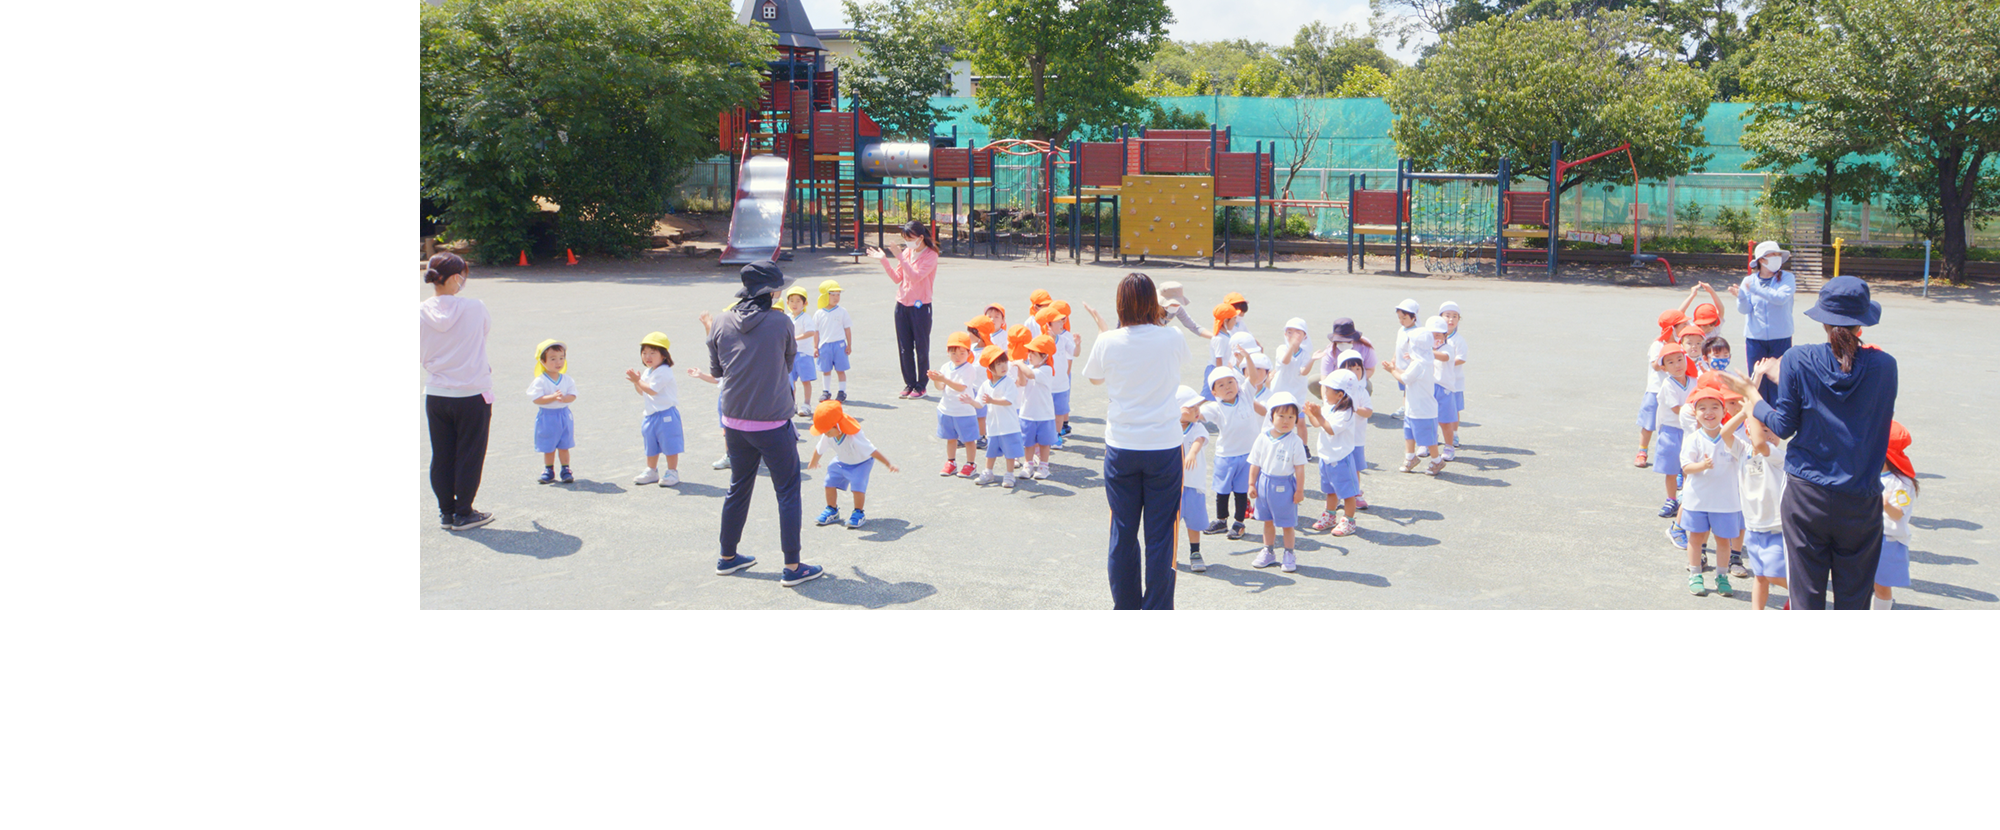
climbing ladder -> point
(1807, 255)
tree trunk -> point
(1953, 200)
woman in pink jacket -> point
(913, 269)
(458, 390)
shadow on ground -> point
(541, 543)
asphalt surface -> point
(1543, 508)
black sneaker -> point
(1235, 531)
(1217, 526)
(982, 442)
(840, 396)
(470, 520)
(444, 520)
(1064, 430)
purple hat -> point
(1343, 331)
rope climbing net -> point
(1451, 220)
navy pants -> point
(913, 344)
(1755, 350)
(1827, 531)
(1144, 489)
(459, 428)
(778, 449)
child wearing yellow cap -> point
(835, 331)
(853, 459)
(803, 325)
(552, 390)
(660, 424)
(999, 395)
(956, 425)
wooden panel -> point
(833, 132)
(1525, 207)
(1100, 164)
(1166, 216)
(1235, 175)
(1376, 207)
(951, 163)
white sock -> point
(843, 385)
(1409, 457)
(826, 380)
(1879, 604)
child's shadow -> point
(584, 485)
(1471, 481)
(885, 530)
(1394, 540)
(691, 488)
(1402, 517)
(541, 543)
(1485, 465)
(865, 405)
(1258, 581)
(1370, 580)
(1078, 477)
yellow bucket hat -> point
(543, 347)
(795, 291)
(658, 339)
(826, 288)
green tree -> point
(1705, 34)
(1509, 86)
(1321, 57)
(1362, 82)
(1199, 68)
(903, 59)
(599, 106)
(1923, 77)
(1052, 67)
(1264, 78)
(1816, 146)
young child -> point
(980, 329)
(1277, 468)
(1038, 408)
(1762, 481)
(1709, 457)
(997, 315)
(1691, 337)
(1649, 406)
(1291, 370)
(1714, 354)
(1415, 367)
(1037, 300)
(1354, 363)
(1237, 422)
(1219, 351)
(1339, 479)
(1194, 510)
(1667, 425)
(836, 340)
(1450, 380)
(853, 459)
(998, 394)
(1899, 498)
(552, 390)
(956, 425)
(807, 332)
(1406, 330)
(1055, 324)
(660, 426)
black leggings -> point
(458, 449)
(1222, 505)
(913, 344)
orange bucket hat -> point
(1224, 313)
(1899, 440)
(991, 354)
(1017, 341)
(830, 415)
(1039, 298)
(1044, 344)
(960, 339)
(1706, 315)
(997, 307)
(1669, 320)
(1048, 315)
(984, 325)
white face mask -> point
(1771, 263)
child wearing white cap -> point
(1339, 478)
(1291, 369)
(1277, 466)
(835, 329)
(1194, 510)
(1450, 380)
(1406, 328)
(1415, 367)
(1237, 421)
(1352, 364)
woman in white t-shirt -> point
(1139, 365)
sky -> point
(1271, 21)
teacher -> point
(1764, 298)
(1838, 399)
(458, 390)
(1139, 364)
(913, 270)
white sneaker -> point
(1450, 453)
(804, 412)
(670, 478)
(1291, 563)
(1196, 564)
(1007, 481)
(720, 463)
(648, 477)
(1398, 414)
(1265, 559)
(1040, 471)
(985, 477)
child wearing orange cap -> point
(1054, 322)
(1899, 497)
(956, 425)
(981, 329)
(1037, 300)
(853, 459)
(1038, 410)
(998, 314)
(1667, 423)
(998, 394)
(1220, 352)
(1709, 458)
(1649, 406)
(1762, 479)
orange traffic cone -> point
(524, 259)
(572, 255)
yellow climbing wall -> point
(1166, 216)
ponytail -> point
(1846, 343)
(442, 267)
(922, 231)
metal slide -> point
(757, 221)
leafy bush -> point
(1737, 224)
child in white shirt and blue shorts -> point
(853, 459)
(1277, 471)
(660, 423)
(552, 390)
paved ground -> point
(1542, 510)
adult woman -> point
(1139, 364)
(1764, 297)
(1838, 399)
(913, 269)
(458, 390)
(1174, 299)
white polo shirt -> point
(1714, 490)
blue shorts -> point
(1669, 450)
(852, 477)
(1038, 433)
(1447, 406)
(1724, 525)
(1894, 569)
(1232, 474)
(979, 413)
(1339, 479)
(1458, 400)
(802, 368)
(1764, 553)
(555, 429)
(1274, 500)
(1003, 446)
(662, 431)
(1207, 394)
(833, 356)
(1422, 430)
(1194, 512)
(1062, 401)
(958, 428)
(1649, 411)
(1360, 457)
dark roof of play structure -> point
(787, 18)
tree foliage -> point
(1199, 68)
(1508, 86)
(599, 106)
(903, 58)
(1052, 67)
(1814, 144)
(1319, 59)
(1322, 57)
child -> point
(1649, 406)
(1277, 466)
(1339, 479)
(1667, 425)
(552, 390)
(1291, 368)
(660, 427)
(836, 340)
(1762, 480)
(1714, 354)
(803, 326)
(1038, 408)
(1709, 458)
(1899, 498)
(1451, 380)
(998, 394)
(997, 315)
(955, 422)
(1691, 337)
(1355, 363)
(1193, 509)
(1037, 300)
(1055, 324)
(1406, 330)
(1219, 351)
(853, 459)
(1415, 367)
(980, 329)
(1236, 423)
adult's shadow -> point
(1381, 420)
(1086, 451)
(1370, 580)
(1404, 517)
(886, 530)
(1926, 523)
(1258, 581)
(1038, 489)
(541, 543)
(1928, 558)
(584, 485)
(1952, 591)
(1495, 450)
(864, 590)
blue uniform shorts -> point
(1003, 446)
(802, 368)
(1649, 411)
(1668, 453)
(1893, 570)
(833, 356)
(555, 429)
(662, 432)
(1447, 406)
(1339, 479)
(1274, 500)
(1037, 433)
(1062, 402)
(958, 428)
(1423, 430)
(1232, 474)
(1194, 512)
(1764, 553)
(1724, 525)
(853, 477)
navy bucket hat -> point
(1843, 301)
(760, 278)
